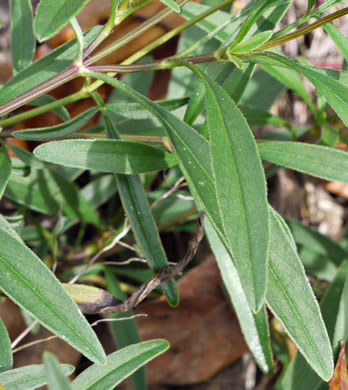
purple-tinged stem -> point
(66, 75)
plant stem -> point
(133, 34)
(73, 71)
(304, 30)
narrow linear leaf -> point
(252, 43)
(56, 378)
(27, 281)
(59, 131)
(107, 156)
(172, 5)
(259, 8)
(254, 326)
(315, 160)
(125, 332)
(137, 208)
(43, 69)
(340, 40)
(22, 35)
(291, 299)
(240, 188)
(29, 377)
(299, 375)
(5, 168)
(6, 358)
(310, 4)
(119, 365)
(52, 15)
(335, 93)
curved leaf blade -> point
(6, 358)
(56, 379)
(58, 131)
(5, 168)
(52, 15)
(109, 156)
(254, 326)
(22, 35)
(240, 186)
(291, 299)
(119, 366)
(29, 377)
(316, 160)
(28, 282)
(135, 204)
(299, 375)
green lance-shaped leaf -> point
(5, 168)
(109, 156)
(56, 378)
(334, 305)
(52, 15)
(310, 4)
(240, 188)
(172, 5)
(252, 43)
(320, 161)
(47, 192)
(339, 39)
(119, 366)
(134, 201)
(291, 299)
(22, 35)
(59, 131)
(136, 206)
(29, 377)
(44, 68)
(335, 92)
(125, 332)
(28, 282)
(254, 326)
(6, 358)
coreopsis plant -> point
(200, 134)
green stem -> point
(304, 30)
